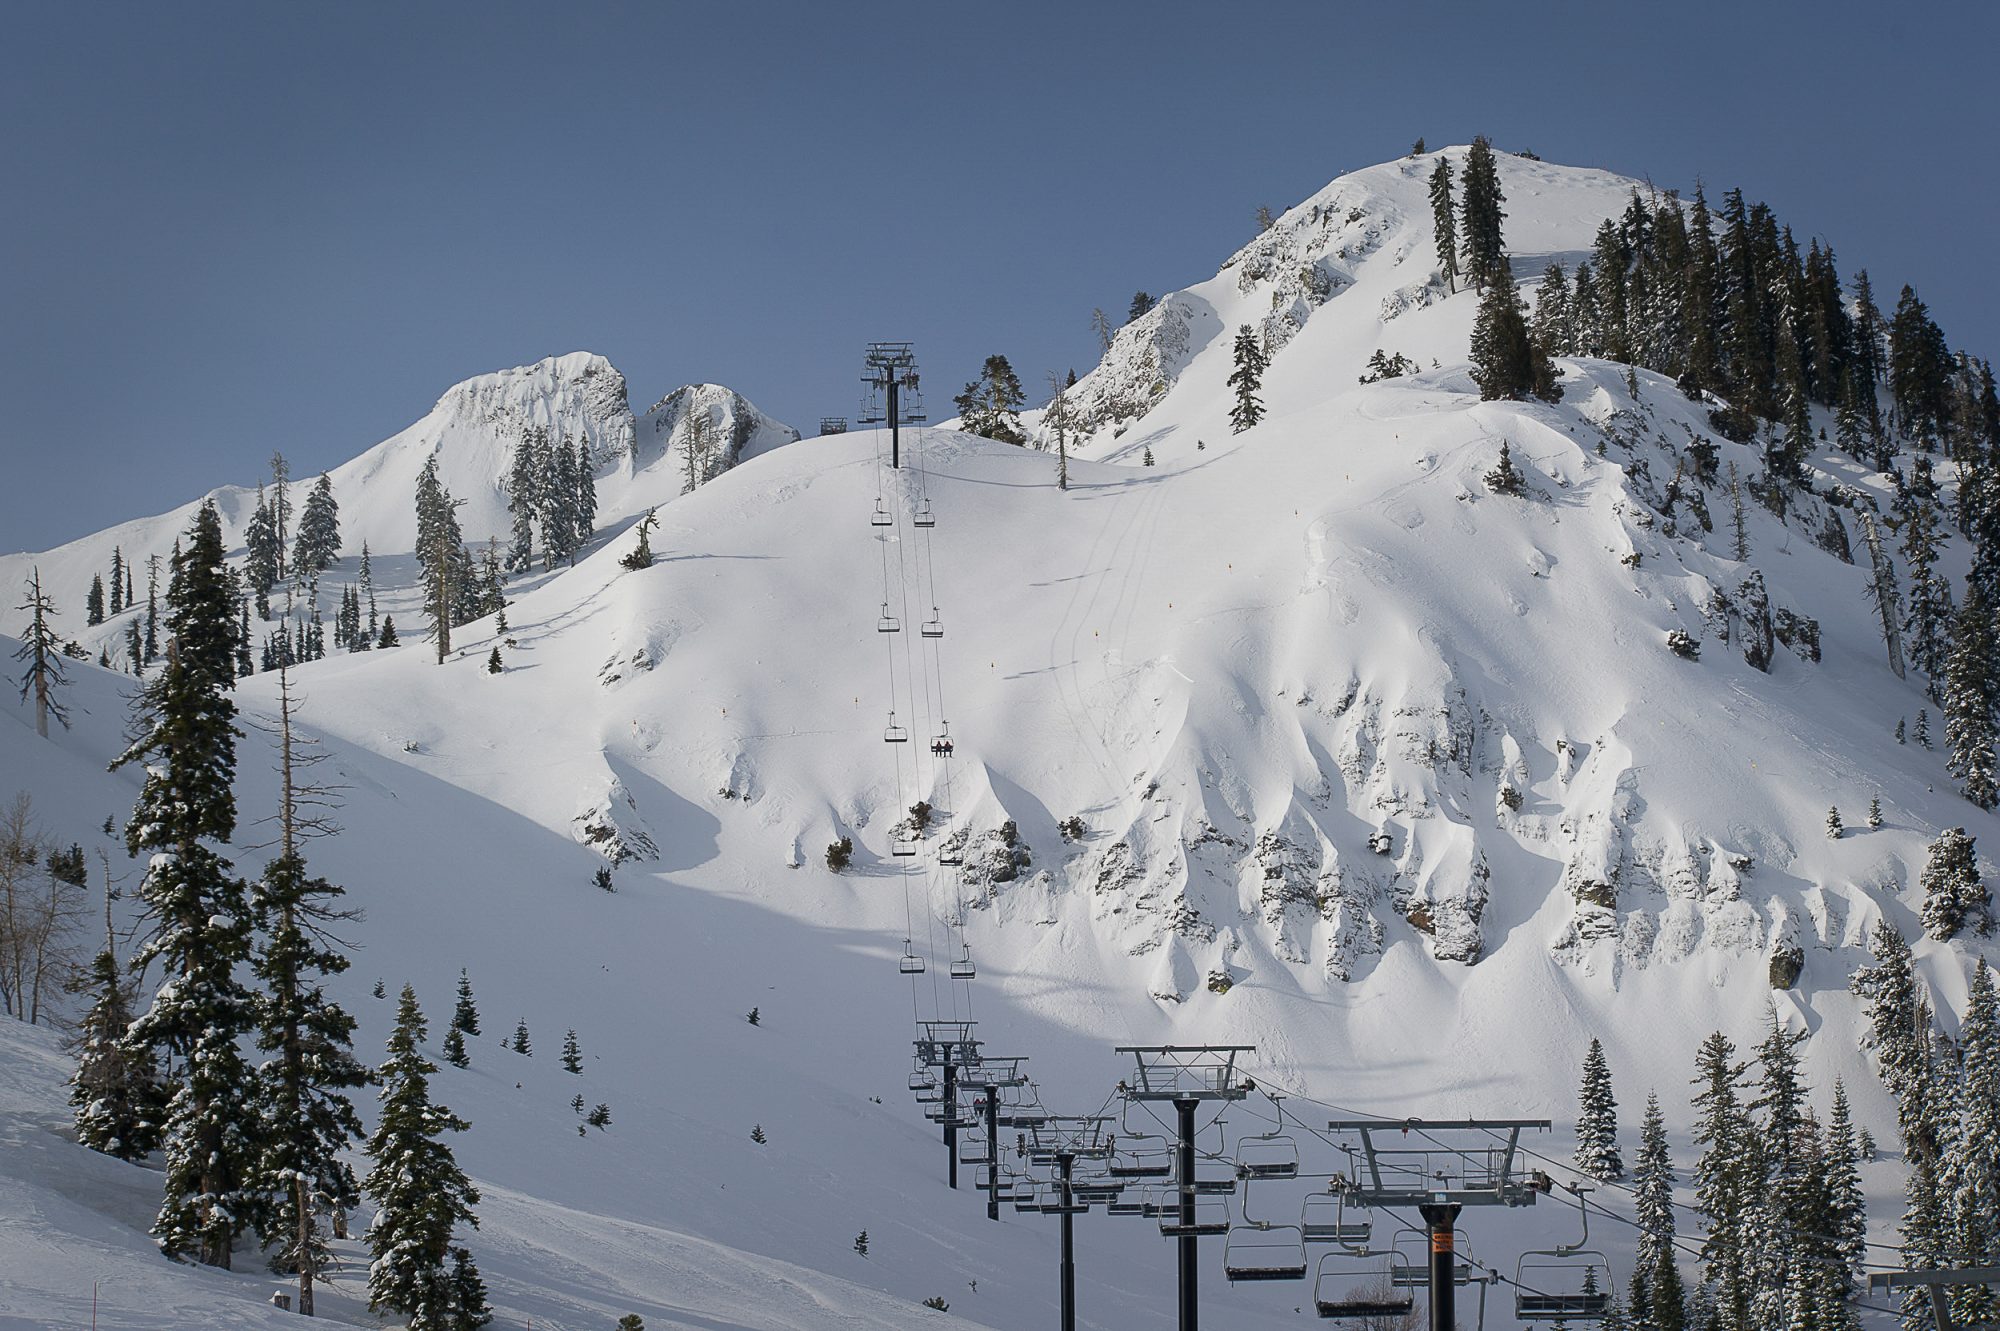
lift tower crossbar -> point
(1186, 1076)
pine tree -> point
(1725, 1182)
(1507, 362)
(642, 554)
(562, 487)
(118, 575)
(118, 1098)
(1970, 691)
(1886, 598)
(454, 1048)
(441, 555)
(757, 1133)
(1142, 304)
(1597, 1120)
(1554, 326)
(1928, 621)
(520, 1044)
(1481, 214)
(317, 547)
(367, 593)
(1656, 1277)
(1953, 895)
(1247, 379)
(465, 1013)
(599, 1116)
(153, 605)
(1833, 824)
(1922, 733)
(202, 930)
(388, 638)
(281, 507)
(1970, 1172)
(586, 493)
(93, 601)
(260, 538)
(42, 649)
(1782, 1183)
(991, 404)
(1505, 478)
(1847, 1219)
(420, 1195)
(309, 1119)
(494, 665)
(524, 503)
(1875, 805)
(572, 1056)
(1444, 227)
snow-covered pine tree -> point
(1725, 1183)
(187, 748)
(1847, 1218)
(1597, 1119)
(1657, 1299)
(1444, 226)
(1928, 619)
(572, 1054)
(388, 638)
(1971, 691)
(118, 1098)
(1481, 215)
(153, 604)
(520, 1044)
(1874, 811)
(1779, 1243)
(420, 1195)
(42, 649)
(441, 555)
(1970, 1172)
(1953, 895)
(317, 547)
(1554, 324)
(565, 522)
(991, 404)
(309, 1118)
(1246, 380)
(524, 503)
(1833, 824)
(586, 492)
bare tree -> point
(1058, 419)
(1100, 323)
(41, 916)
(43, 653)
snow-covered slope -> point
(1388, 775)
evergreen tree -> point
(1919, 371)
(118, 576)
(153, 605)
(441, 555)
(561, 486)
(1505, 478)
(42, 649)
(1954, 898)
(1444, 226)
(1970, 690)
(309, 1120)
(1930, 612)
(388, 638)
(1656, 1279)
(1247, 379)
(1875, 806)
(1507, 362)
(1725, 1182)
(642, 554)
(519, 1044)
(524, 503)
(465, 1013)
(1481, 214)
(454, 1048)
(1833, 824)
(1142, 304)
(572, 1056)
(1597, 1151)
(1971, 1168)
(991, 404)
(586, 493)
(281, 507)
(1555, 320)
(93, 601)
(494, 665)
(260, 537)
(187, 748)
(367, 593)
(118, 1098)
(317, 547)
(420, 1195)
(1847, 1219)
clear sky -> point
(230, 229)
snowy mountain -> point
(1301, 738)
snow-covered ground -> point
(1401, 766)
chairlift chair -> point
(924, 517)
(881, 517)
(941, 742)
(1210, 1218)
(1214, 1187)
(974, 1149)
(961, 966)
(1570, 1286)
(1270, 1155)
(1355, 1286)
(1139, 1160)
(934, 626)
(922, 1080)
(911, 963)
(888, 623)
(1410, 1259)
(895, 734)
(1259, 1252)
(1324, 1220)
(902, 850)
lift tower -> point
(1186, 1076)
(890, 371)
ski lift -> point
(1264, 1252)
(888, 623)
(922, 1080)
(951, 859)
(881, 516)
(1566, 1283)
(1272, 1155)
(961, 966)
(974, 1149)
(1210, 1218)
(934, 626)
(1214, 1187)
(941, 742)
(1356, 1286)
(911, 964)
(1140, 1160)
(923, 516)
(1324, 1219)
(895, 734)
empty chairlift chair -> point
(923, 517)
(1142, 1155)
(1211, 1217)
(1410, 1261)
(1355, 1286)
(1573, 1286)
(881, 517)
(1324, 1220)
(911, 963)
(934, 626)
(1264, 1252)
(886, 622)
(893, 733)
(1271, 1155)
(961, 966)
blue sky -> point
(231, 229)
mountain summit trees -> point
(991, 404)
